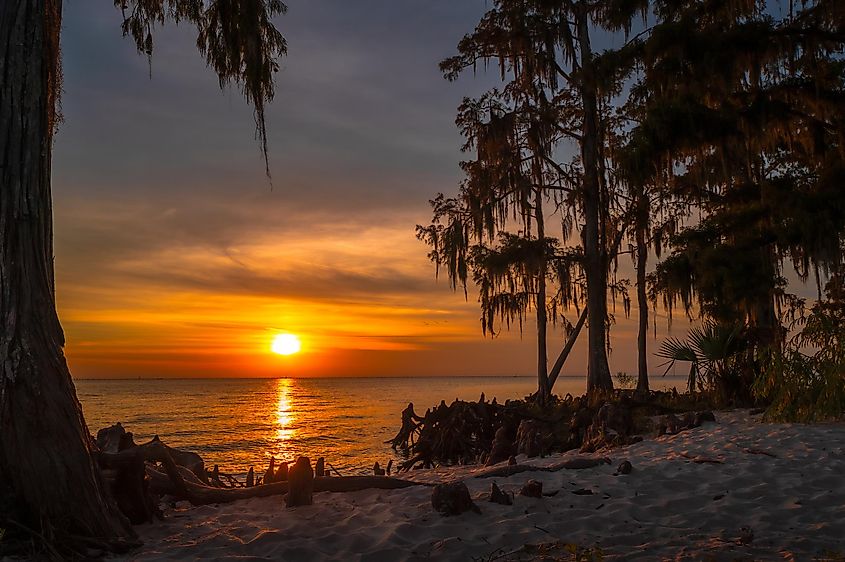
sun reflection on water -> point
(285, 416)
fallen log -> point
(578, 463)
(198, 494)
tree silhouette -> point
(743, 123)
(48, 464)
(555, 101)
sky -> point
(176, 257)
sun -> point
(286, 344)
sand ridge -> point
(737, 489)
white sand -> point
(668, 508)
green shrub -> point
(806, 380)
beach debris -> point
(502, 447)
(410, 425)
(532, 489)
(500, 497)
(320, 467)
(270, 473)
(583, 492)
(300, 483)
(250, 478)
(512, 461)
(282, 474)
(576, 463)
(461, 432)
(137, 474)
(756, 411)
(529, 438)
(452, 498)
(389, 466)
(378, 470)
(612, 426)
(672, 425)
(625, 467)
(215, 477)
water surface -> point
(238, 423)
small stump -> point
(532, 489)
(452, 498)
(502, 448)
(498, 496)
(300, 483)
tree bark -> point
(642, 298)
(595, 252)
(46, 457)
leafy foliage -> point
(714, 352)
(806, 380)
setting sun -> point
(286, 344)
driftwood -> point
(300, 483)
(578, 463)
(498, 496)
(197, 494)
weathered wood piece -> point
(282, 473)
(452, 498)
(532, 489)
(270, 473)
(577, 463)
(498, 496)
(502, 448)
(300, 483)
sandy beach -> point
(777, 493)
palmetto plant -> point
(711, 349)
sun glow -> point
(286, 344)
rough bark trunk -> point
(642, 300)
(46, 457)
(595, 252)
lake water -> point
(238, 423)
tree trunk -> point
(595, 253)
(642, 298)
(46, 454)
(542, 320)
(567, 348)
